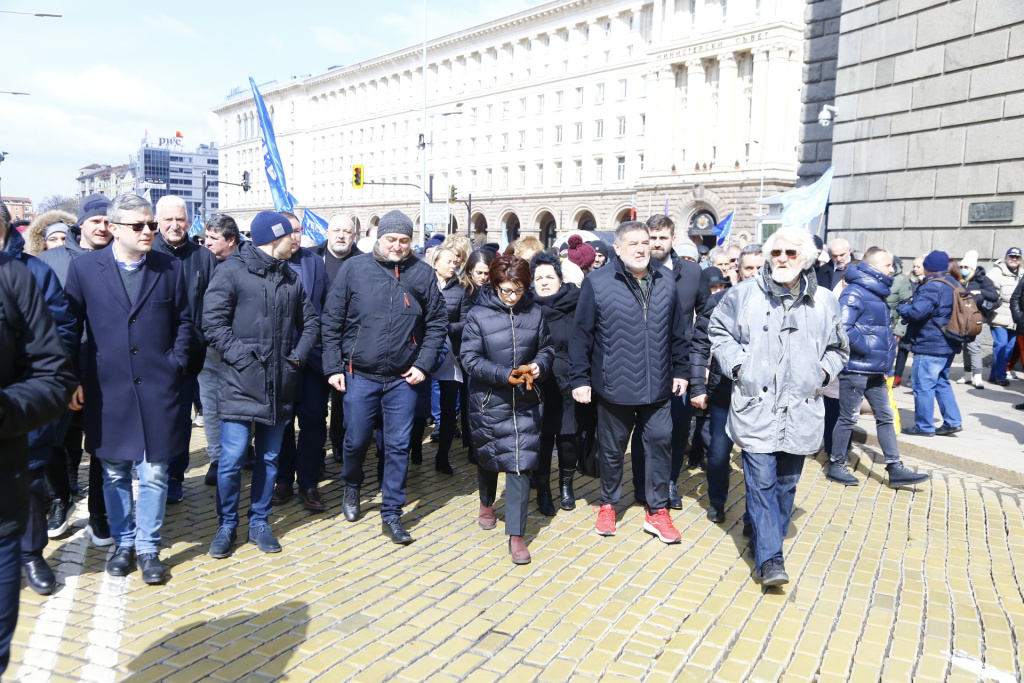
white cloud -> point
(163, 26)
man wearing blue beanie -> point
(927, 313)
(258, 317)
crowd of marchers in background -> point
(120, 332)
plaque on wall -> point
(990, 212)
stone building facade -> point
(560, 117)
(928, 139)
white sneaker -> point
(962, 380)
(1010, 374)
(978, 383)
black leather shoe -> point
(152, 568)
(568, 495)
(675, 501)
(545, 505)
(211, 474)
(99, 531)
(282, 493)
(394, 530)
(350, 503)
(716, 514)
(947, 430)
(122, 563)
(39, 576)
(311, 499)
(264, 538)
(914, 431)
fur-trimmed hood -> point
(35, 233)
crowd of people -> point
(116, 325)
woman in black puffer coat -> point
(561, 424)
(505, 348)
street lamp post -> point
(423, 135)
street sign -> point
(436, 219)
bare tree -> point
(58, 202)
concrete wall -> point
(930, 96)
(821, 45)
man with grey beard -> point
(780, 337)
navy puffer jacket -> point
(866, 317)
(505, 419)
(927, 313)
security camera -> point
(828, 112)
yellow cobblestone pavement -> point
(917, 584)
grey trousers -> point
(517, 497)
(852, 388)
(972, 357)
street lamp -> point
(32, 14)
(11, 92)
(3, 155)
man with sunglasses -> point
(133, 303)
(780, 338)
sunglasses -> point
(138, 227)
(790, 253)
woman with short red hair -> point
(506, 348)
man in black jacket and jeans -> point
(36, 382)
(384, 324)
(263, 325)
(628, 353)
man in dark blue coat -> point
(133, 303)
(628, 353)
(872, 353)
(302, 462)
(926, 314)
(197, 264)
(384, 324)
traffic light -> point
(453, 195)
(357, 176)
(245, 181)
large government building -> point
(565, 116)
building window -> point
(472, 179)
(522, 106)
(490, 112)
(540, 104)
(642, 162)
(599, 129)
(579, 171)
(623, 88)
(540, 174)
(579, 131)
(622, 125)
(579, 97)
(607, 28)
(490, 178)
(504, 109)
(559, 98)
(489, 147)
(607, 56)
(643, 123)
(522, 139)
(643, 86)
(540, 137)
(504, 177)
(472, 145)
(598, 170)
(558, 133)
(558, 173)
(522, 175)
(599, 96)
(620, 168)
(504, 141)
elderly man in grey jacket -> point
(781, 337)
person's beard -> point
(636, 263)
(660, 254)
(337, 250)
(784, 274)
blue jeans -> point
(365, 402)
(1003, 340)
(771, 480)
(143, 531)
(10, 586)
(930, 381)
(718, 450)
(234, 442)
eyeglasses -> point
(511, 292)
(137, 227)
(790, 253)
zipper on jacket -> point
(515, 354)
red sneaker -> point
(660, 524)
(606, 521)
(897, 381)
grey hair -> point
(127, 202)
(627, 227)
(793, 235)
(749, 249)
(171, 201)
(715, 252)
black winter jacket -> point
(374, 326)
(714, 383)
(36, 382)
(828, 276)
(253, 308)
(457, 304)
(866, 317)
(197, 267)
(626, 346)
(986, 294)
(1017, 305)
(505, 420)
(559, 406)
(693, 292)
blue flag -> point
(197, 227)
(804, 204)
(314, 226)
(283, 200)
(724, 229)
(666, 206)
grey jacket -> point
(786, 351)
(1005, 281)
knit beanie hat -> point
(268, 226)
(600, 246)
(55, 227)
(688, 250)
(936, 262)
(435, 241)
(970, 260)
(93, 205)
(581, 253)
(394, 222)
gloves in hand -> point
(521, 375)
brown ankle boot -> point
(485, 518)
(517, 547)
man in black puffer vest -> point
(628, 353)
(383, 326)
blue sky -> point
(107, 71)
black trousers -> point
(33, 540)
(301, 462)
(449, 406)
(517, 497)
(337, 428)
(653, 423)
(568, 453)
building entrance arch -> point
(479, 230)
(510, 223)
(547, 228)
(586, 221)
